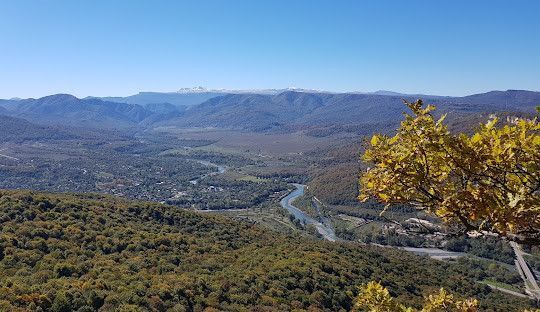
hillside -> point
(253, 111)
(19, 130)
(175, 98)
(513, 100)
(264, 112)
(321, 114)
(368, 112)
(87, 252)
(186, 97)
(66, 109)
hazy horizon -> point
(255, 90)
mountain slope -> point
(512, 100)
(66, 109)
(300, 109)
(175, 98)
(286, 111)
(89, 252)
(186, 97)
(256, 111)
(19, 130)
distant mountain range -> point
(192, 96)
(186, 97)
(268, 110)
(247, 91)
(178, 99)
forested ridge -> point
(87, 252)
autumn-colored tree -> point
(488, 181)
(373, 297)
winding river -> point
(325, 229)
(220, 169)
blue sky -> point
(122, 47)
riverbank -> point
(325, 230)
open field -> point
(253, 143)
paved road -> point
(325, 230)
(531, 285)
(508, 291)
(7, 156)
(434, 253)
(324, 220)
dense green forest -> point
(87, 252)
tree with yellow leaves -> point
(373, 297)
(488, 181)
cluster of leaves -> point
(95, 252)
(488, 181)
(374, 297)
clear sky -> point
(121, 47)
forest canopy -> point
(61, 252)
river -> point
(220, 169)
(325, 229)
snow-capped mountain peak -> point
(198, 89)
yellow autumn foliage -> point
(373, 297)
(488, 181)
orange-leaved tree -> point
(488, 181)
